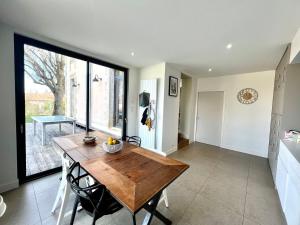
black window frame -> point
(19, 42)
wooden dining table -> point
(135, 176)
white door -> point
(209, 117)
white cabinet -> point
(288, 184)
(292, 203)
(281, 181)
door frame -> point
(19, 42)
(196, 115)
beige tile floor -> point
(221, 187)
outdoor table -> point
(46, 120)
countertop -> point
(293, 147)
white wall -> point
(295, 48)
(187, 107)
(210, 107)
(291, 102)
(171, 113)
(156, 72)
(8, 149)
(8, 145)
(167, 106)
(245, 127)
(184, 106)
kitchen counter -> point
(293, 147)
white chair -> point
(2, 206)
(164, 197)
(64, 189)
(66, 163)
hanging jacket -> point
(144, 116)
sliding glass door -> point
(55, 88)
(107, 99)
(60, 92)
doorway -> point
(185, 111)
(209, 117)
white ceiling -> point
(191, 34)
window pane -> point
(55, 88)
(106, 101)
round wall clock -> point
(247, 96)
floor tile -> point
(46, 183)
(21, 209)
(264, 209)
(180, 198)
(205, 211)
(231, 195)
(221, 187)
(249, 222)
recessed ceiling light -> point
(210, 69)
(132, 53)
(229, 46)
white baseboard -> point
(247, 151)
(156, 151)
(9, 186)
(171, 150)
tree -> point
(47, 68)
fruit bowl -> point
(113, 148)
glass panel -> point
(106, 99)
(55, 90)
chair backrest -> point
(2, 206)
(77, 180)
(136, 140)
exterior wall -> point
(245, 127)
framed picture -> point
(173, 86)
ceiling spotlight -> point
(132, 53)
(210, 69)
(229, 46)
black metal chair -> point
(136, 140)
(95, 199)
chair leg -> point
(74, 210)
(59, 195)
(165, 196)
(63, 206)
(94, 221)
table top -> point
(52, 119)
(133, 175)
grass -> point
(37, 108)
